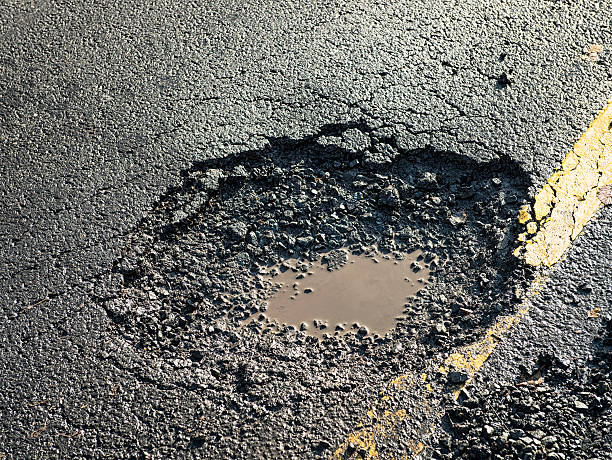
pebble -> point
(457, 377)
(579, 405)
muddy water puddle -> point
(341, 292)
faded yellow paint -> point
(363, 442)
(544, 200)
(381, 422)
(569, 199)
(400, 382)
(594, 313)
(471, 358)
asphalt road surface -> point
(155, 153)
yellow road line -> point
(569, 198)
(471, 358)
(381, 422)
(559, 212)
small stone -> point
(252, 239)
(196, 355)
(428, 181)
(488, 430)
(339, 327)
(238, 230)
(304, 327)
(458, 219)
(504, 80)
(496, 181)
(591, 52)
(457, 377)
(389, 197)
(467, 397)
(323, 445)
(440, 328)
(239, 172)
(579, 405)
(308, 290)
(304, 240)
(549, 440)
(604, 194)
(532, 227)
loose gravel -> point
(188, 277)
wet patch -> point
(359, 290)
(195, 260)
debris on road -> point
(592, 52)
(594, 313)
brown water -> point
(371, 292)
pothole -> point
(194, 261)
(355, 289)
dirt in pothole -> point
(195, 259)
(189, 276)
(365, 293)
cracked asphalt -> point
(112, 117)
